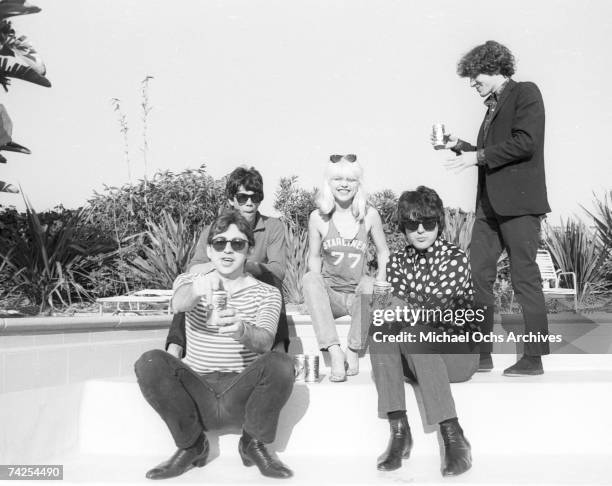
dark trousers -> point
(191, 403)
(520, 236)
(432, 372)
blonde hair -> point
(325, 199)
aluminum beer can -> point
(382, 291)
(300, 367)
(438, 136)
(306, 368)
(219, 300)
(312, 369)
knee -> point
(279, 367)
(151, 365)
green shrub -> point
(294, 203)
(125, 211)
(161, 253)
(297, 262)
(574, 248)
(47, 263)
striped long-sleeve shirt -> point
(207, 350)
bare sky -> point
(281, 84)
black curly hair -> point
(419, 204)
(488, 58)
(249, 177)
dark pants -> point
(432, 372)
(190, 403)
(520, 236)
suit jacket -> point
(513, 169)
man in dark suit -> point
(511, 197)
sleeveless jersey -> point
(344, 260)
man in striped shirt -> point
(229, 375)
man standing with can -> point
(511, 197)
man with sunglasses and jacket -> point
(266, 262)
(511, 198)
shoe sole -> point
(537, 373)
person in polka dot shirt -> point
(436, 278)
(428, 274)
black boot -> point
(254, 452)
(399, 447)
(486, 363)
(182, 460)
(457, 451)
(526, 366)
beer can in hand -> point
(219, 300)
(438, 136)
(218, 303)
(382, 294)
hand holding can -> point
(438, 136)
(382, 294)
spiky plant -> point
(574, 248)
(162, 252)
(49, 265)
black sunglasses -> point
(429, 224)
(237, 244)
(337, 158)
(242, 198)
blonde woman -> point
(338, 234)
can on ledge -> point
(306, 368)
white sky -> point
(281, 84)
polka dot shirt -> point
(438, 278)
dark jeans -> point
(191, 403)
(428, 366)
(520, 236)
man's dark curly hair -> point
(249, 177)
(418, 205)
(488, 58)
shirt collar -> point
(411, 251)
(259, 223)
(496, 95)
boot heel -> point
(247, 461)
(200, 462)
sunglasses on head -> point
(237, 244)
(337, 158)
(242, 198)
(429, 224)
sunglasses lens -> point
(219, 245)
(430, 224)
(337, 158)
(238, 245)
(242, 198)
(411, 225)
